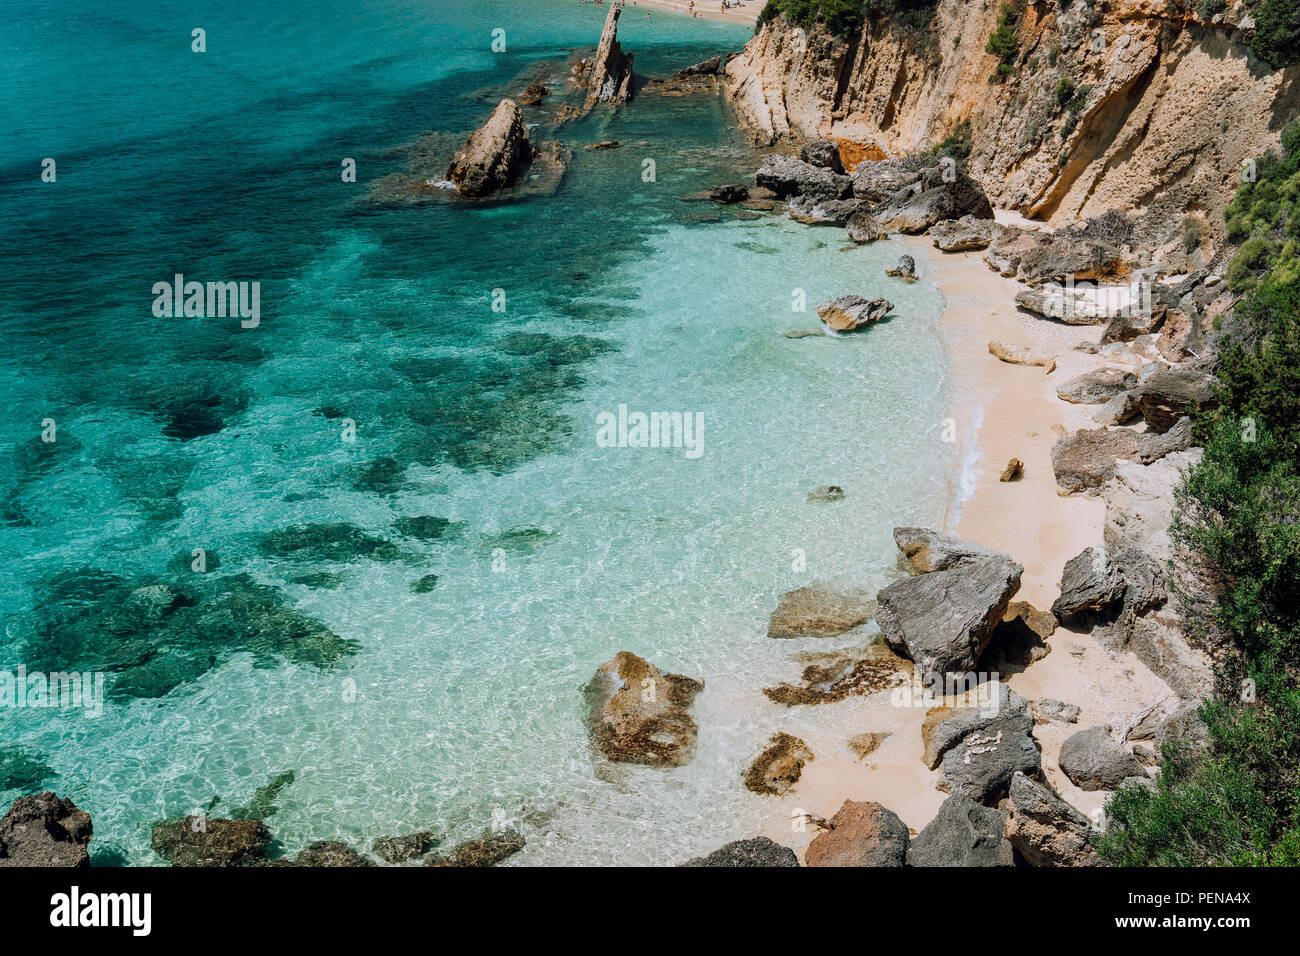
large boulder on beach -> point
(787, 176)
(939, 192)
(963, 235)
(862, 227)
(1140, 504)
(1169, 394)
(1061, 256)
(495, 156)
(982, 762)
(1008, 245)
(927, 550)
(1044, 829)
(943, 620)
(778, 768)
(1092, 760)
(1096, 387)
(819, 611)
(637, 714)
(203, 841)
(862, 834)
(610, 79)
(1085, 460)
(962, 833)
(876, 181)
(959, 715)
(1090, 583)
(852, 313)
(45, 830)
(759, 851)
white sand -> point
(709, 9)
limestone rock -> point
(863, 834)
(905, 270)
(610, 80)
(1096, 387)
(1169, 394)
(1045, 829)
(823, 153)
(1050, 709)
(44, 830)
(819, 611)
(962, 833)
(759, 851)
(864, 745)
(820, 211)
(1085, 460)
(927, 550)
(495, 156)
(1015, 468)
(964, 234)
(852, 313)
(787, 176)
(1018, 355)
(639, 715)
(862, 227)
(488, 850)
(199, 841)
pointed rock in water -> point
(819, 611)
(862, 834)
(759, 851)
(962, 833)
(778, 768)
(637, 714)
(404, 849)
(851, 313)
(46, 831)
(495, 155)
(610, 80)
(905, 270)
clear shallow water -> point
(176, 434)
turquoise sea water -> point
(457, 707)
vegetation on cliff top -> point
(1277, 31)
(1236, 801)
(845, 18)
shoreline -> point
(707, 9)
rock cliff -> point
(1135, 105)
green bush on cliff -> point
(1003, 42)
(1236, 801)
(1277, 32)
(845, 18)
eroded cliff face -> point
(1133, 105)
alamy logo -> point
(84, 691)
(72, 909)
(626, 429)
(179, 299)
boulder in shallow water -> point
(852, 313)
(778, 768)
(759, 851)
(488, 850)
(819, 611)
(45, 830)
(404, 849)
(495, 156)
(905, 270)
(330, 853)
(862, 834)
(638, 714)
(862, 227)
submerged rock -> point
(819, 611)
(45, 830)
(778, 768)
(339, 541)
(495, 156)
(637, 714)
(862, 834)
(330, 853)
(962, 833)
(488, 850)
(826, 492)
(203, 841)
(404, 849)
(852, 313)
(864, 745)
(425, 584)
(758, 851)
(828, 678)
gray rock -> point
(1171, 393)
(939, 193)
(730, 193)
(982, 764)
(824, 153)
(1090, 582)
(862, 227)
(1062, 255)
(943, 620)
(928, 550)
(961, 235)
(1152, 446)
(906, 269)
(1044, 829)
(820, 211)
(44, 830)
(787, 176)
(946, 726)
(877, 181)
(852, 313)
(862, 834)
(1093, 761)
(1139, 504)
(963, 833)
(1120, 410)
(404, 849)
(1050, 709)
(759, 851)
(1096, 387)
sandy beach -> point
(708, 9)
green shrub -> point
(1064, 90)
(845, 18)
(1277, 32)
(1003, 42)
